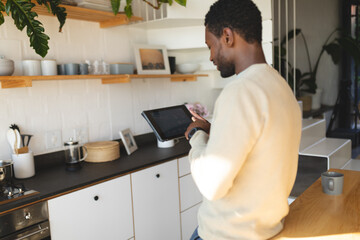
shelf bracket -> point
(16, 83)
(112, 80)
(184, 79)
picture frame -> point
(128, 140)
(151, 59)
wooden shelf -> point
(105, 19)
(26, 81)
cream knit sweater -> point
(247, 166)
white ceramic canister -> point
(48, 67)
(24, 166)
(31, 67)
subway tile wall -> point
(102, 110)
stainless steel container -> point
(5, 172)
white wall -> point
(65, 105)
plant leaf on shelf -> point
(181, 2)
(23, 17)
(56, 10)
(2, 9)
(115, 5)
(128, 8)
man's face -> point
(218, 56)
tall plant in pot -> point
(24, 16)
(306, 81)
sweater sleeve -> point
(216, 159)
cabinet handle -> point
(96, 198)
(157, 175)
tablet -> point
(168, 123)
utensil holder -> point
(24, 166)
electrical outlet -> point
(81, 135)
(53, 139)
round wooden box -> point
(102, 151)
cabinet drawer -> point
(189, 193)
(102, 211)
(189, 221)
(184, 166)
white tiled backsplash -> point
(66, 105)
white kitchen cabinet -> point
(189, 221)
(102, 211)
(156, 202)
(189, 193)
(184, 166)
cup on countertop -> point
(24, 166)
(332, 183)
(72, 69)
(31, 67)
(48, 67)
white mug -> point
(48, 67)
(31, 67)
(24, 166)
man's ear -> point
(228, 36)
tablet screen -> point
(168, 123)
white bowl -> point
(6, 67)
(187, 67)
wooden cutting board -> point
(103, 151)
(316, 215)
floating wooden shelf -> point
(105, 19)
(26, 81)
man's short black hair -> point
(242, 16)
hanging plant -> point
(23, 16)
(115, 4)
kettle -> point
(73, 154)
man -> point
(245, 165)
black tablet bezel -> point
(157, 130)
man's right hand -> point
(198, 121)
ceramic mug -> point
(48, 67)
(72, 69)
(61, 69)
(332, 182)
(84, 69)
(31, 67)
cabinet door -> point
(156, 202)
(189, 193)
(189, 221)
(103, 211)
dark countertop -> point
(52, 179)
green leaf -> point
(351, 47)
(290, 35)
(23, 17)
(181, 2)
(128, 11)
(333, 49)
(115, 5)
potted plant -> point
(23, 15)
(306, 82)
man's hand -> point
(198, 121)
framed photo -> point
(151, 59)
(128, 141)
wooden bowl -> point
(103, 151)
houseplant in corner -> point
(306, 82)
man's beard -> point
(226, 68)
